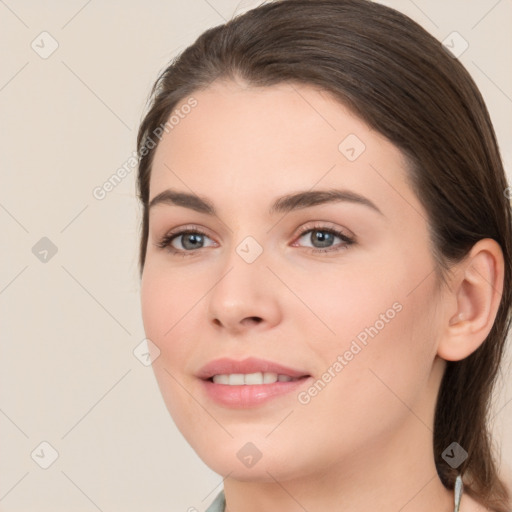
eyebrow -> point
(284, 204)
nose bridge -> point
(242, 290)
(243, 271)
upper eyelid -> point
(325, 226)
(304, 228)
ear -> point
(476, 290)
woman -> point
(326, 261)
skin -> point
(365, 441)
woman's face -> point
(268, 287)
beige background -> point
(68, 374)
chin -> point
(248, 461)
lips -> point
(247, 367)
(249, 383)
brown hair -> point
(401, 81)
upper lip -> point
(226, 366)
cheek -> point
(350, 304)
(375, 391)
(383, 345)
(164, 314)
(164, 310)
(154, 306)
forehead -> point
(242, 142)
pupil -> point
(323, 237)
(194, 239)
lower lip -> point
(245, 396)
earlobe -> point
(477, 288)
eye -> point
(187, 241)
(190, 240)
(324, 237)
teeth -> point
(253, 378)
(248, 379)
(236, 379)
(221, 379)
(269, 378)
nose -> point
(245, 296)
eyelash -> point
(165, 242)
